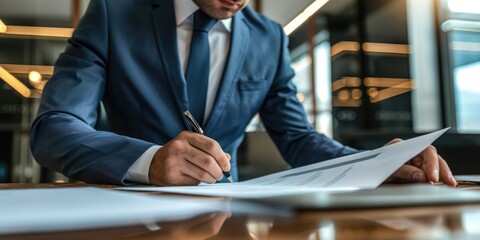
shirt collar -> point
(184, 9)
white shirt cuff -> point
(138, 172)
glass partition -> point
(460, 25)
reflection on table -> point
(426, 222)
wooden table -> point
(428, 222)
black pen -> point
(196, 128)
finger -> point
(394, 141)
(445, 173)
(186, 180)
(212, 148)
(197, 173)
(410, 173)
(205, 162)
(417, 161)
(175, 179)
(165, 170)
(430, 158)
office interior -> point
(366, 71)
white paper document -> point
(41, 210)
(364, 170)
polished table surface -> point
(426, 222)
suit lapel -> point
(163, 16)
(238, 44)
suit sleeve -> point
(62, 136)
(287, 124)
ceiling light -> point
(49, 32)
(35, 77)
(3, 27)
(303, 16)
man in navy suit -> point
(134, 57)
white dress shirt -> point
(219, 40)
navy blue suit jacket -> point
(124, 54)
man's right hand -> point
(188, 159)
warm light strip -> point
(303, 16)
(391, 92)
(26, 69)
(348, 46)
(346, 82)
(39, 31)
(384, 82)
(344, 46)
(465, 46)
(386, 48)
(3, 27)
(348, 103)
(15, 83)
(404, 85)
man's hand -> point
(427, 166)
(188, 159)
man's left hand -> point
(427, 166)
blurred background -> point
(366, 71)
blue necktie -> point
(198, 66)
